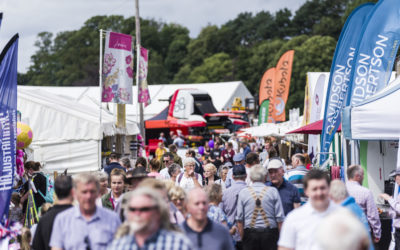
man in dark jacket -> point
(63, 189)
(114, 163)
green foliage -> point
(217, 68)
(241, 49)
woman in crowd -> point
(178, 197)
(214, 192)
(112, 200)
(154, 165)
(223, 173)
(126, 163)
(141, 162)
(103, 180)
(210, 176)
(174, 170)
(176, 216)
(207, 151)
(189, 179)
(160, 151)
(228, 153)
(33, 172)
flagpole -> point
(137, 21)
(100, 91)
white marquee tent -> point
(377, 118)
(222, 94)
(66, 134)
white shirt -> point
(187, 183)
(299, 228)
(248, 180)
(164, 173)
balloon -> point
(24, 135)
(201, 150)
(211, 143)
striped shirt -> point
(295, 176)
(161, 240)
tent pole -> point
(100, 91)
(138, 44)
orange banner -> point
(267, 89)
(283, 73)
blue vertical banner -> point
(339, 78)
(376, 51)
(8, 122)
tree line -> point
(241, 49)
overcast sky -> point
(29, 17)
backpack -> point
(49, 189)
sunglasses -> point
(141, 209)
(165, 161)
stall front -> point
(66, 134)
(375, 122)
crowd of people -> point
(225, 195)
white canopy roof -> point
(222, 95)
(377, 118)
(55, 117)
(66, 133)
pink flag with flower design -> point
(144, 95)
(117, 69)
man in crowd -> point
(288, 192)
(246, 148)
(65, 196)
(251, 160)
(230, 198)
(114, 163)
(301, 224)
(162, 137)
(112, 200)
(85, 226)
(173, 149)
(238, 159)
(203, 232)
(259, 213)
(234, 142)
(364, 199)
(297, 173)
(338, 194)
(148, 224)
(167, 160)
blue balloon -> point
(201, 150)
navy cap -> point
(238, 157)
(238, 170)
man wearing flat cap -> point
(289, 194)
(394, 211)
(230, 198)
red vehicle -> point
(192, 112)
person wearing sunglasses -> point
(85, 226)
(147, 224)
(167, 161)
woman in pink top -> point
(154, 168)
